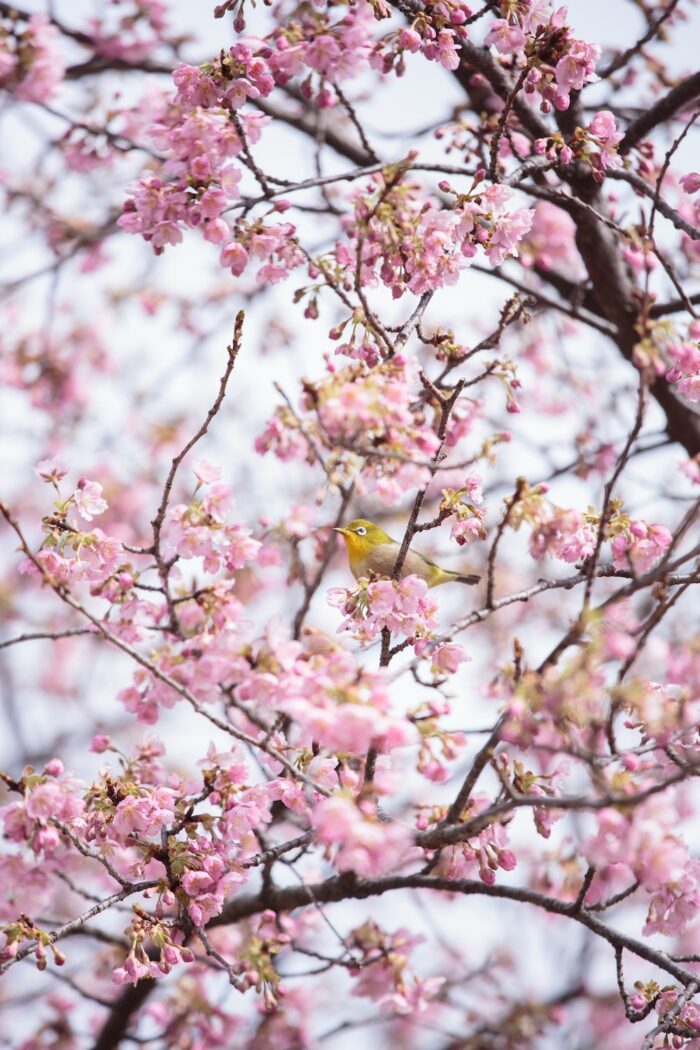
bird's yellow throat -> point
(357, 546)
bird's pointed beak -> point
(343, 532)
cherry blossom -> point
(428, 267)
(32, 63)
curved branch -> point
(349, 886)
(652, 29)
(638, 184)
(663, 110)
(116, 1025)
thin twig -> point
(159, 519)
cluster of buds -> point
(257, 960)
(25, 930)
(154, 961)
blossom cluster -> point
(334, 705)
(31, 62)
(69, 554)
(484, 853)
(649, 850)
(196, 182)
(201, 130)
(556, 62)
(134, 31)
(403, 239)
(55, 369)
(595, 145)
(376, 414)
(439, 745)
(200, 529)
(571, 536)
(684, 357)
(637, 544)
(358, 839)
(436, 32)
(403, 607)
(273, 243)
(550, 241)
(384, 974)
(463, 505)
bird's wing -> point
(417, 564)
(427, 561)
(382, 558)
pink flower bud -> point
(234, 257)
(170, 955)
(690, 182)
(507, 860)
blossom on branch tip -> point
(341, 771)
(485, 852)
(50, 470)
(88, 499)
(604, 133)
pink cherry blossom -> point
(357, 839)
(505, 37)
(447, 658)
(603, 129)
(403, 607)
(50, 470)
(88, 499)
(690, 182)
(641, 547)
(206, 473)
(35, 69)
(335, 756)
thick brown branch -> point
(117, 1024)
(305, 121)
(661, 111)
(348, 886)
(614, 291)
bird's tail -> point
(439, 576)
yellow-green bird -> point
(370, 549)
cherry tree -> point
(268, 269)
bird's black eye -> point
(361, 530)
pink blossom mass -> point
(349, 525)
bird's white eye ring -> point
(361, 530)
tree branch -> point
(662, 110)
